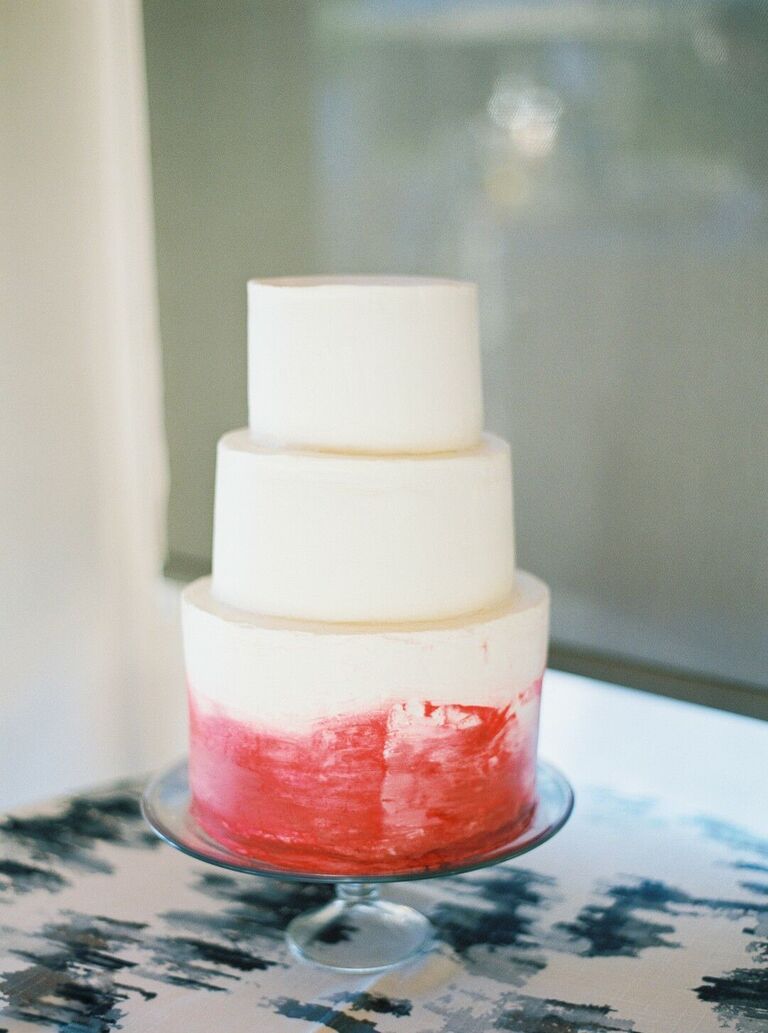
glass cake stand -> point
(357, 931)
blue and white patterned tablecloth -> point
(648, 913)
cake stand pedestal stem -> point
(359, 932)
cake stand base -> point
(357, 931)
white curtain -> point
(90, 679)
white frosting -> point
(279, 672)
(321, 536)
(364, 364)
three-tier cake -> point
(365, 663)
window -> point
(601, 169)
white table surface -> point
(648, 913)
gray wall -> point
(230, 106)
(605, 181)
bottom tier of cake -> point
(337, 749)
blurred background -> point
(599, 167)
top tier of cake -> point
(364, 364)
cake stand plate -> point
(357, 931)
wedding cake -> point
(365, 662)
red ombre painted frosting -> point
(410, 785)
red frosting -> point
(410, 786)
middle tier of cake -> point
(364, 748)
(332, 537)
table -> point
(648, 913)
